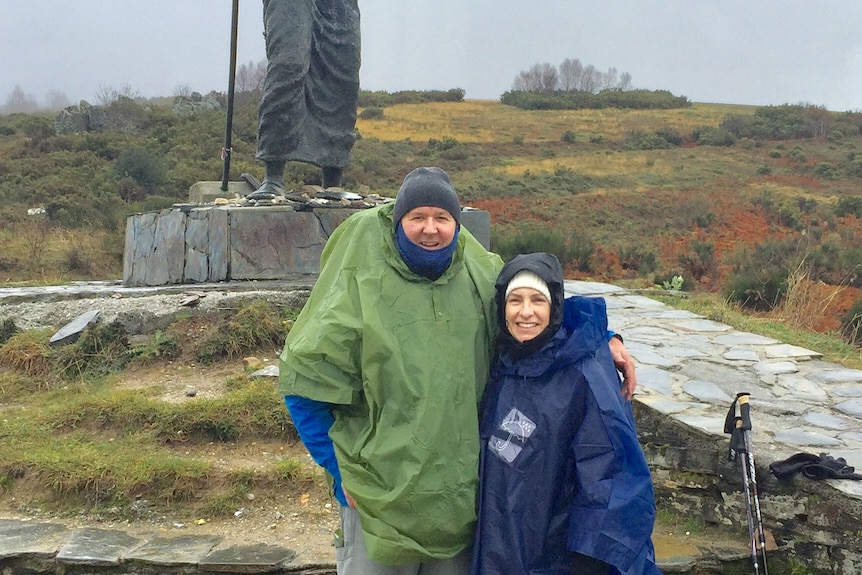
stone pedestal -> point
(209, 243)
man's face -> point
(429, 227)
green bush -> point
(761, 292)
(775, 123)
(382, 99)
(711, 136)
(758, 277)
(569, 137)
(639, 259)
(700, 261)
(672, 281)
(638, 140)
(573, 249)
(669, 135)
(746, 143)
(849, 205)
(529, 240)
(372, 113)
(579, 252)
(143, 166)
(7, 330)
(797, 154)
(633, 99)
(253, 326)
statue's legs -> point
(308, 104)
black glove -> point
(814, 467)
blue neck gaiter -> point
(427, 263)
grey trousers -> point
(308, 103)
(351, 559)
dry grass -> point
(808, 302)
(27, 352)
(486, 121)
(52, 255)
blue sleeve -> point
(612, 333)
(312, 420)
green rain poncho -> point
(403, 360)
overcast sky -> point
(756, 52)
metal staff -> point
(226, 150)
(739, 428)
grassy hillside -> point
(591, 185)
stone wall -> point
(195, 244)
(818, 525)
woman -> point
(564, 485)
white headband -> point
(528, 279)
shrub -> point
(572, 250)
(710, 136)
(579, 252)
(77, 261)
(446, 143)
(637, 140)
(758, 279)
(141, 165)
(371, 113)
(797, 154)
(828, 171)
(99, 351)
(160, 345)
(851, 323)
(560, 100)
(700, 261)
(569, 137)
(533, 239)
(669, 135)
(854, 168)
(253, 326)
(638, 258)
(760, 292)
(849, 205)
(27, 352)
(672, 281)
(7, 329)
(746, 143)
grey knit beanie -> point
(426, 187)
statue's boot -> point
(267, 191)
(331, 177)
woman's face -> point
(429, 227)
(527, 313)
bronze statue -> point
(308, 104)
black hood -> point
(547, 267)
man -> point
(383, 372)
(308, 104)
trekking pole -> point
(739, 428)
(226, 150)
(745, 416)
